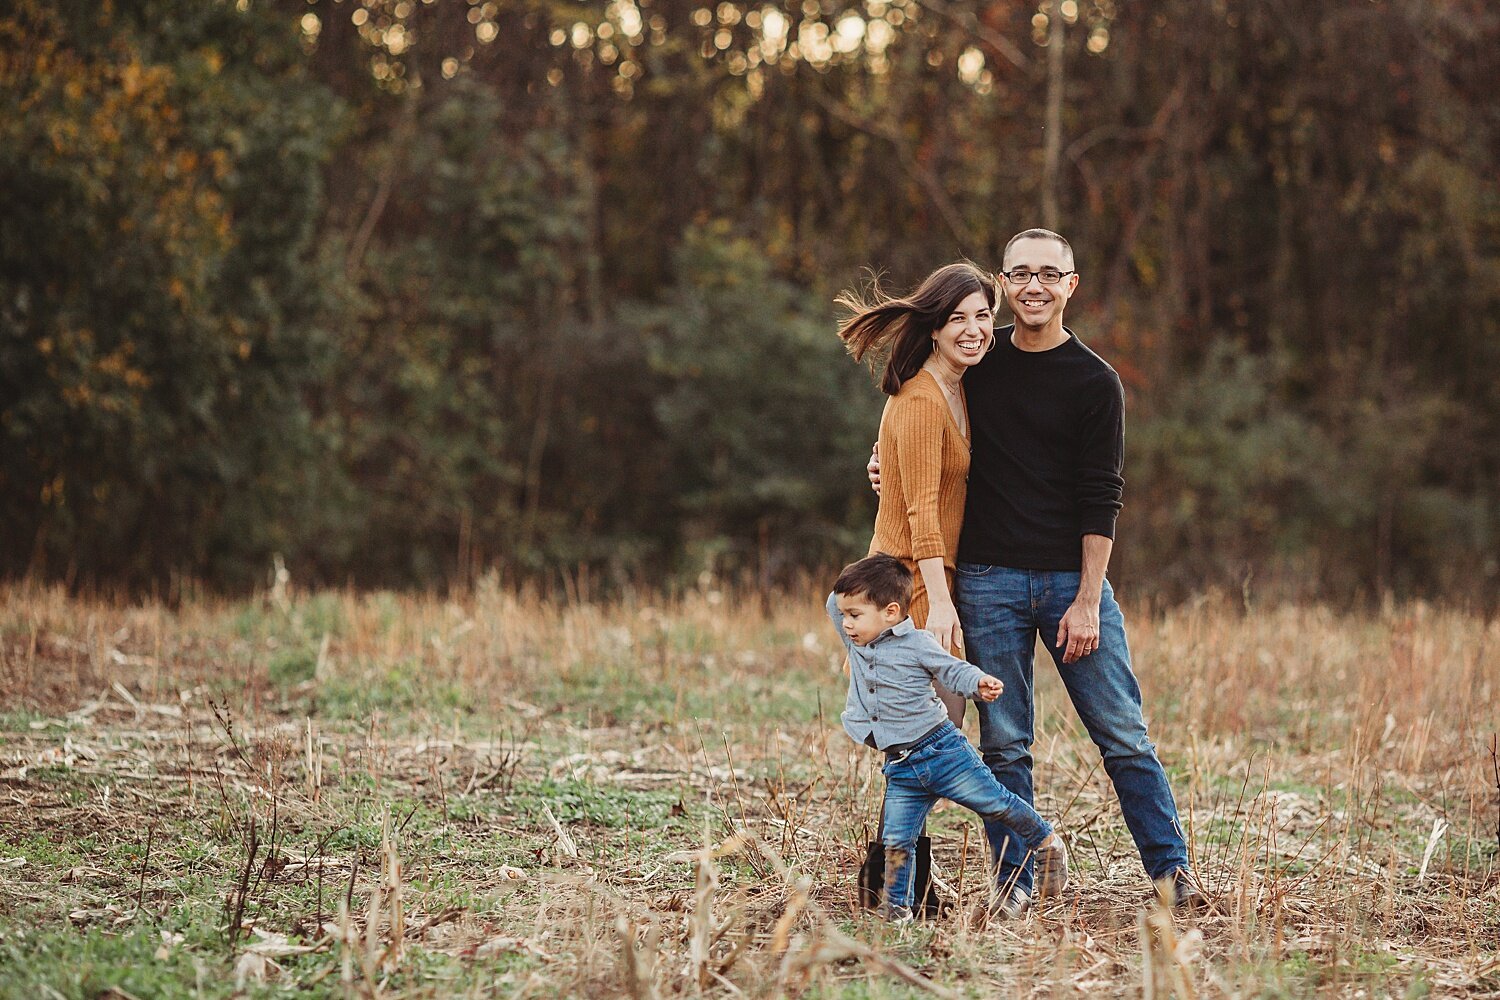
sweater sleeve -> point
(1101, 456)
(916, 426)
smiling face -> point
(967, 334)
(1036, 306)
(863, 621)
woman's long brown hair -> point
(894, 335)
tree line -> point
(407, 290)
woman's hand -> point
(942, 616)
(942, 622)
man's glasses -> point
(1047, 275)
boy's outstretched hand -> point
(989, 688)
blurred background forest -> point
(408, 291)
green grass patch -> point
(602, 697)
(42, 852)
(398, 688)
(597, 805)
(289, 667)
(308, 618)
(20, 720)
(87, 963)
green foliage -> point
(464, 334)
(1230, 473)
(540, 288)
(1216, 468)
(766, 418)
(160, 190)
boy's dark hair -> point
(881, 578)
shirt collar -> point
(903, 627)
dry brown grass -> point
(652, 797)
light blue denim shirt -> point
(890, 682)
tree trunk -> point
(1052, 140)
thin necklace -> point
(951, 391)
(953, 397)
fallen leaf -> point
(253, 968)
(1189, 947)
(273, 945)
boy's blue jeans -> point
(1002, 611)
(944, 765)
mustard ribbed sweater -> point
(924, 468)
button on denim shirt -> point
(890, 682)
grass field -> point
(376, 795)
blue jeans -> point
(1002, 611)
(943, 765)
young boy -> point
(892, 706)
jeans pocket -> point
(953, 744)
(973, 569)
(974, 754)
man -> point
(1046, 418)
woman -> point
(921, 345)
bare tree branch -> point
(967, 19)
(924, 177)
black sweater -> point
(1048, 448)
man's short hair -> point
(881, 578)
(1037, 234)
